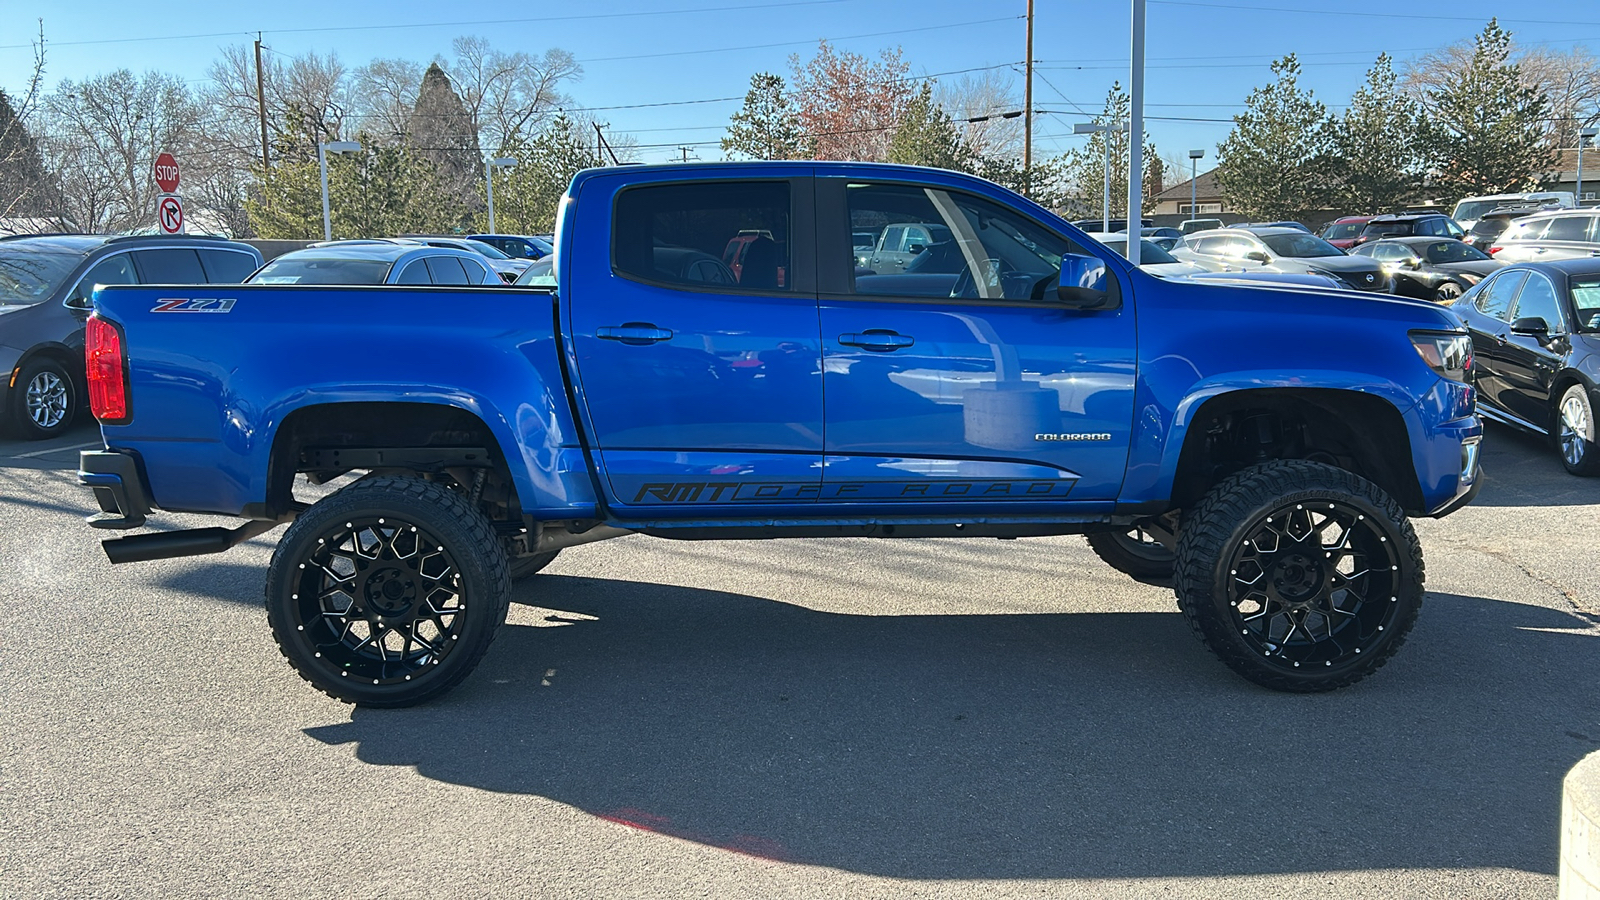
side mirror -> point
(1087, 285)
(1533, 326)
(914, 249)
(1259, 256)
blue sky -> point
(1203, 55)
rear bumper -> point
(118, 486)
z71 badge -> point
(194, 305)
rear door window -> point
(477, 274)
(415, 272)
(226, 266)
(677, 235)
(1568, 228)
(1494, 300)
(446, 270)
(1538, 299)
(170, 266)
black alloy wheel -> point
(44, 400)
(1449, 292)
(388, 592)
(1134, 552)
(1300, 576)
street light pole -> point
(502, 162)
(323, 149)
(1104, 130)
(1194, 163)
(1136, 132)
(1583, 135)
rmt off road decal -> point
(193, 305)
(745, 492)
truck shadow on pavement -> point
(1086, 745)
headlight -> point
(1448, 354)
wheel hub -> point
(1297, 578)
(390, 592)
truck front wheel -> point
(1300, 576)
(388, 592)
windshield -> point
(1388, 229)
(1586, 302)
(1491, 227)
(30, 276)
(1341, 230)
(1473, 209)
(1453, 252)
(1300, 245)
(1149, 252)
(301, 270)
(488, 250)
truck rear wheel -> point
(1300, 576)
(527, 566)
(388, 592)
(1134, 553)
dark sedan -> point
(1536, 346)
(1430, 268)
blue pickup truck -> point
(716, 362)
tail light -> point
(1495, 249)
(108, 371)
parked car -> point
(1422, 224)
(539, 275)
(1162, 236)
(1440, 269)
(1286, 250)
(376, 261)
(1492, 224)
(1152, 257)
(1564, 234)
(1099, 224)
(1536, 352)
(1298, 226)
(507, 267)
(1469, 210)
(517, 246)
(1343, 231)
(899, 244)
(1034, 383)
(45, 288)
(1190, 226)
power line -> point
(1344, 12)
(848, 37)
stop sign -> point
(167, 172)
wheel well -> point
(347, 430)
(1236, 430)
(1563, 381)
(61, 353)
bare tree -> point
(307, 88)
(383, 95)
(509, 95)
(103, 137)
(25, 189)
(1571, 81)
(984, 96)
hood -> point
(1344, 265)
(1478, 267)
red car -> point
(1343, 231)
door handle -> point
(1500, 339)
(878, 340)
(635, 334)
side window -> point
(227, 266)
(1453, 229)
(111, 270)
(1538, 298)
(1568, 228)
(446, 270)
(415, 272)
(1494, 300)
(1530, 231)
(176, 266)
(893, 236)
(1211, 246)
(1388, 252)
(477, 274)
(678, 234)
(977, 249)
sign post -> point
(169, 214)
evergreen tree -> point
(526, 197)
(768, 126)
(927, 137)
(444, 133)
(1075, 180)
(1276, 162)
(1487, 132)
(1377, 143)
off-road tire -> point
(368, 510)
(1233, 524)
(60, 381)
(526, 566)
(1576, 440)
(1141, 560)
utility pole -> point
(685, 152)
(1027, 113)
(603, 147)
(261, 105)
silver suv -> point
(1543, 237)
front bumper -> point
(118, 487)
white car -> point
(1470, 209)
(1152, 258)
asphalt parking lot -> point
(794, 719)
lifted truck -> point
(1261, 447)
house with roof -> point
(1174, 201)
